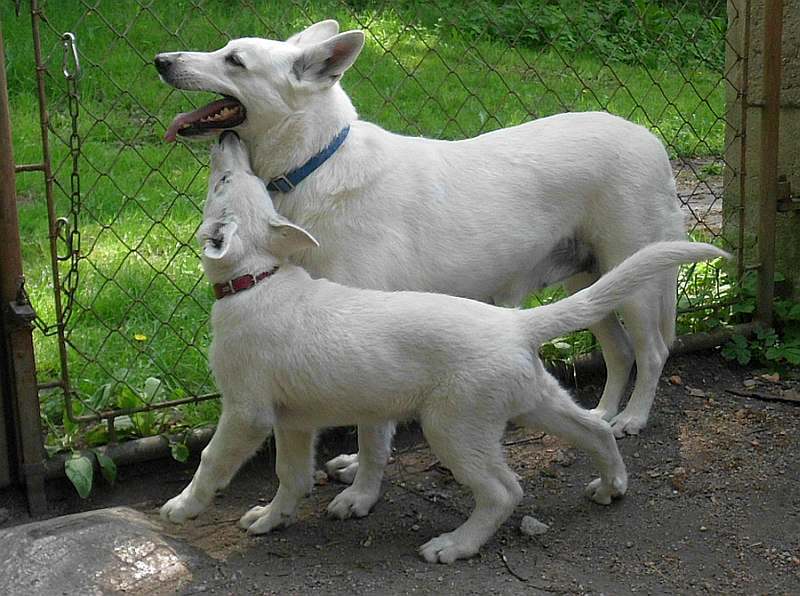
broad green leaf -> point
(107, 466)
(123, 423)
(180, 452)
(80, 472)
(97, 435)
(102, 397)
(128, 399)
(153, 389)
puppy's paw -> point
(178, 509)
(352, 502)
(261, 520)
(446, 548)
(603, 413)
(343, 467)
(604, 492)
(627, 424)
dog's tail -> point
(615, 287)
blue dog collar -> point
(288, 181)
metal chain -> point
(67, 227)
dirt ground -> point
(713, 507)
(700, 191)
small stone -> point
(530, 526)
(694, 392)
(676, 380)
(367, 542)
(565, 458)
(653, 473)
(629, 544)
(678, 478)
(320, 478)
(771, 378)
(703, 528)
(749, 383)
(415, 528)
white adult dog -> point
(293, 354)
(492, 218)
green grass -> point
(141, 307)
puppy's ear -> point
(217, 239)
(325, 62)
(315, 33)
(285, 238)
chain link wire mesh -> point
(137, 334)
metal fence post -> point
(17, 314)
(770, 129)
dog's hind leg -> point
(294, 464)
(557, 414)
(617, 352)
(376, 440)
(472, 452)
(374, 448)
(643, 320)
(374, 445)
(235, 440)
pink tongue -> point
(200, 113)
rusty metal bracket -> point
(20, 313)
(786, 202)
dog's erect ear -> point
(325, 62)
(286, 238)
(218, 239)
(315, 33)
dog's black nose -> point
(162, 64)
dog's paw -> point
(343, 467)
(604, 492)
(627, 424)
(261, 520)
(446, 548)
(603, 413)
(352, 502)
(178, 509)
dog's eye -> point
(235, 60)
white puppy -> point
(293, 354)
(492, 218)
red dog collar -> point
(242, 283)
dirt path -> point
(713, 507)
(699, 185)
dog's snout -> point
(162, 63)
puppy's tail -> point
(615, 287)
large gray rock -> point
(98, 552)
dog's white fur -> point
(491, 218)
(295, 354)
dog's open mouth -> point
(224, 113)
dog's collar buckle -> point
(281, 184)
(288, 182)
(241, 283)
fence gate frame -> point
(22, 450)
(22, 457)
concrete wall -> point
(788, 224)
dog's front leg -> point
(235, 440)
(294, 464)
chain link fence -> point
(123, 323)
